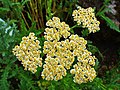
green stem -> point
(74, 26)
(97, 14)
(100, 55)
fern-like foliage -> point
(7, 41)
(5, 75)
(8, 33)
(4, 85)
(113, 78)
(26, 82)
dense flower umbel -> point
(56, 50)
(60, 54)
(83, 69)
(87, 18)
(57, 30)
(52, 69)
(60, 50)
(28, 52)
(83, 73)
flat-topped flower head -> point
(52, 70)
(86, 18)
(78, 40)
(83, 70)
(28, 52)
(61, 48)
(56, 29)
(83, 73)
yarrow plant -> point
(56, 50)
(28, 52)
(60, 49)
(63, 50)
(86, 18)
(83, 69)
(57, 30)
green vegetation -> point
(20, 17)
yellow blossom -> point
(87, 18)
(61, 48)
(57, 29)
(28, 52)
(52, 70)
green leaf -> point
(72, 31)
(110, 23)
(6, 3)
(51, 87)
(4, 9)
(24, 2)
(85, 32)
(93, 49)
(4, 84)
(28, 14)
(26, 82)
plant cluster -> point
(61, 48)
(28, 52)
(87, 18)
(58, 56)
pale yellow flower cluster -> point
(28, 52)
(56, 50)
(52, 69)
(60, 55)
(86, 18)
(57, 30)
(83, 69)
(83, 73)
(60, 50)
